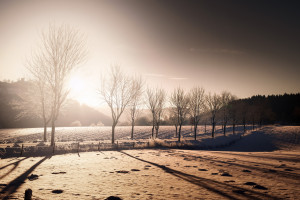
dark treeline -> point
(273, 109)
(73, 113)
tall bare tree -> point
(226, 98)
(161, 100)
(155, 101)
(134, 105)
(243, 113)
(34, 103)
(152, 104)
(117, 90)
(180, 101)
(214, 104)
(61, 50)
(233, 113)
(196, 104)
(173, 119)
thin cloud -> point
(155, 75)
(178, 78)
(218, 51)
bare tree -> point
(62, 49)
(174, 120)
(35, 103)
(226, 98)
(196, 104)
(156, 100)
(134, 105)
(233, 113)
(242, 113)
(117, 90)
(161, 99)
(152, 104)
(180, 101)
(214, 105)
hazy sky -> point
(246, 47)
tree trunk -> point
(213, 123)
(52, 132)
(233, 129)
(224, 130)
(132, 129)
(153, 125)
(205, 127)
(213, 130)
(195, 131)
(45, 132)
(179, 133)
(156, 131)
(152, 135)
(113, 133)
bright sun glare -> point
(76, 84)
(80, 91)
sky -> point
(245, 47)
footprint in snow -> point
(33, 177)
(250, 183)
(260, 187)
(135, 170)
(122, 172)
(225, 174)
(246, 170)
(57, 191)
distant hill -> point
(73, 113)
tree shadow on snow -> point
(12, 187)
(258, 141)
(16, 164)
(217, 187)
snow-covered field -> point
(264, 164)
(102, 133)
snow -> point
(263, 164)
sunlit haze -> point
(247, 48)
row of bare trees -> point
(122, 92)
(62, 49)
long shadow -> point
(16, 164)
(264, 157)
(12, 187)
(257, 141)
(285, 174)
(211, 185)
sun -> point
(76, 84)
(82, 91)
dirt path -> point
(155, 174)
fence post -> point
(22, 150)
